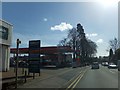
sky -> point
(50, 21)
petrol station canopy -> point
(44, 50)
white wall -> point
(5, 47)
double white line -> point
(76, 81)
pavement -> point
(11, 73)
(9, 76)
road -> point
(84, 77)
(99, 78)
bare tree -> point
(63, 42)
(91, 48)
(78, 42)
(72, 35)
(113, 44)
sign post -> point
(17, 52)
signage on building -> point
(34, 58)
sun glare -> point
(108, 3)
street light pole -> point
(17, 52)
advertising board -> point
(34, 58)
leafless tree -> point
(113, 44)
(63, 42)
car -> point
(105, 63)
(95, 65)
(74, 65)
(22, 64)
(112, 66)
(118, 65)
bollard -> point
(25, 76)
(39, 73)
(14, 69)
(33, 75)
(23, 70)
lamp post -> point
(17, 52)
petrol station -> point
(55, 55)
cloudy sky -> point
(50, 21)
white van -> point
(118, 65)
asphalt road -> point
(99, 78)
(56, 78)
(84, 77)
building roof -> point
(6, 22)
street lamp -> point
(17, 52)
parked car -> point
(23, 64)
(12, 63)
(95, 65)
(112, 66)
(105, 63)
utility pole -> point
(17, 52)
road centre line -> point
(73, 78)
(75, 82)
(78, 80)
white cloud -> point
(63, 26)
(92, 35)
(45, 19)
(99, 41)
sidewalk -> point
(9, 77)
(11, 73)
(44, 75)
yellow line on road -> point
(75, 82)
(79, 80)
(74, 77)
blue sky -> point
(50, 21)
